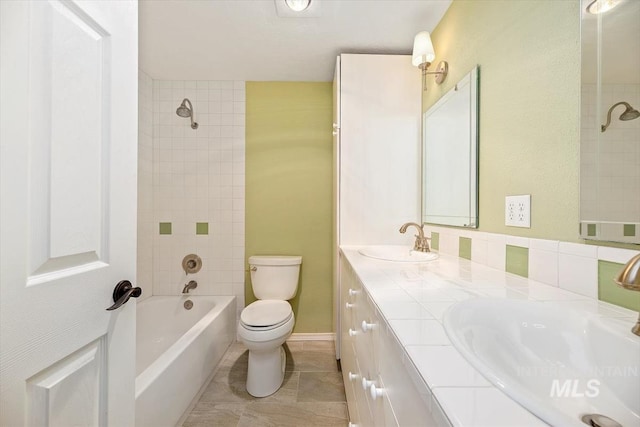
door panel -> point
(68, 82)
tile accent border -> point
(611, 231)
(464, 248)
(610, 292)
(164, 228)
(517, 260)
(583, 269)
(202, 228)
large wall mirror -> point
(610, 122)
(450, 156)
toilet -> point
(267, 323)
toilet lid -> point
(264, 313)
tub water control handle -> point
(122, 292)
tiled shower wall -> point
(609, 165)
(197, 188)
(145, 184)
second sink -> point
(397, 253)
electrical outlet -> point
(517, 211)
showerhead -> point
(186, 110)
(629, 113)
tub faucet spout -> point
(188, 286)
(422, 244)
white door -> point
(68, 131)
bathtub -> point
(177, 351)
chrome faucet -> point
(188, 286)
(422, 244)
(629, 278)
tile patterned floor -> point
(312, 393)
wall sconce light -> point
(423, 54)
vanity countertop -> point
(413, 297)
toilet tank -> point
(275, 277)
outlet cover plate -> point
(517, 211)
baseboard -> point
(325, 336)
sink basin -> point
(397, 254)
(559, 364)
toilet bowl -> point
(267, 323)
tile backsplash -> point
(197, 187)
(587, 270)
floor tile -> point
(321, 387)
(260, 414)
(215, 414)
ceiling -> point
(248, 40)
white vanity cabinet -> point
(380, 382)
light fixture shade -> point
(422, 49)
(602, 6)
(298, 5)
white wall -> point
(145, 184)
(380, 111)
(198, 177)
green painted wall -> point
(288, 189)
(529, 57)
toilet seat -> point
(265, 315)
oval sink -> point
(558, 364)
(397, 253)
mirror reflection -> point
(610, 124)
(450, 156)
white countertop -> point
(413, 297)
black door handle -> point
(122, 292)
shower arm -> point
(186, 101)
(605, 126)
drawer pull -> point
(352, 292)
(348, 305)
(352, 332)
(352, 376)
(375, 391)
(367, 326)
(366, 383)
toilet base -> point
(265, 372)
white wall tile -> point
(479, 250)
(543, 266)
(578, 249)
(196, 180)
(621, 256)
(578, 274)
(496, 251)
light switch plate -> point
(517, 211)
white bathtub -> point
(177, 350)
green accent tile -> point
(435, 240)
(202, 228)
(591, 229)
(517, 261)
(610, 292)
(165, 228)
(629, 230)
(464, 249)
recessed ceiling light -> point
(602, 6)
(298, 5)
